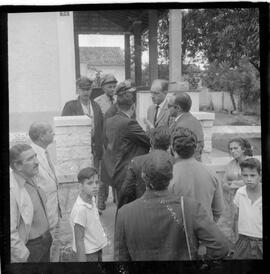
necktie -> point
(155, 117)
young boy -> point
(248, 200)
(88, 235)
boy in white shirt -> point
(248, 200)
(88, 234)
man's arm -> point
(207, 231)
(128, 189)
(79, 241)
(137, 134)
(218, 201)
(19, 252)
(120, 248)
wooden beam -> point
(153, 52)
(138, 53)
(127, 56)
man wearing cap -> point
(124, 137)
(85, 106)
(108, 85)
(158, 114)
(179, 107)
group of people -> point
(168, 202)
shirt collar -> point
(178, 117)
(19, 178)
(38, 149)
(163, 103)
(83, 203)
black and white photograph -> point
(135, 133)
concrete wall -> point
(117, 71)
(41, 66)
(220, 99)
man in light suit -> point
(158, 114)
(151, 228)
(41, 134)
(29, 226)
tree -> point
(223, 35)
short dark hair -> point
(244, 144)
(184, 142)
(183, 100)
(251, 163)
(157, 170)
(160, 137)
(86, 173)
(35, 130)
(15, 153)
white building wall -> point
(41, 66)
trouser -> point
(248, 248)
(39, 248)
(56, 244)
(93, 257)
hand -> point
(94, 190)
(147, 123)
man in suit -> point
(125, 138)
(151, 228)
(191, 178)
(179, 107)
(84, 106)
(29, 224)
(41, 135)
(108, 84)
(134, 186)
(158, 114)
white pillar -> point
(66, 55)
(175, 50)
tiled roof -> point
(102, 56)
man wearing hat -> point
(85, 106)
(124, 137)
(108, 85)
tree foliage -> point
(224, 35)
(242, 81)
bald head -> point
(41, 133)
(179, 103)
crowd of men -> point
(167, 201)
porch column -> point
(175, 50)
(153, 52)
(77, 55)
(127, 56)
(138, 52)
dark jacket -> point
(125, 140)
(133, 186)
(187, 120)
(74, 108)
(151, 229)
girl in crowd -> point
(240, 149)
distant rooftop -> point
(102, 56)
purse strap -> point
(185, 226)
